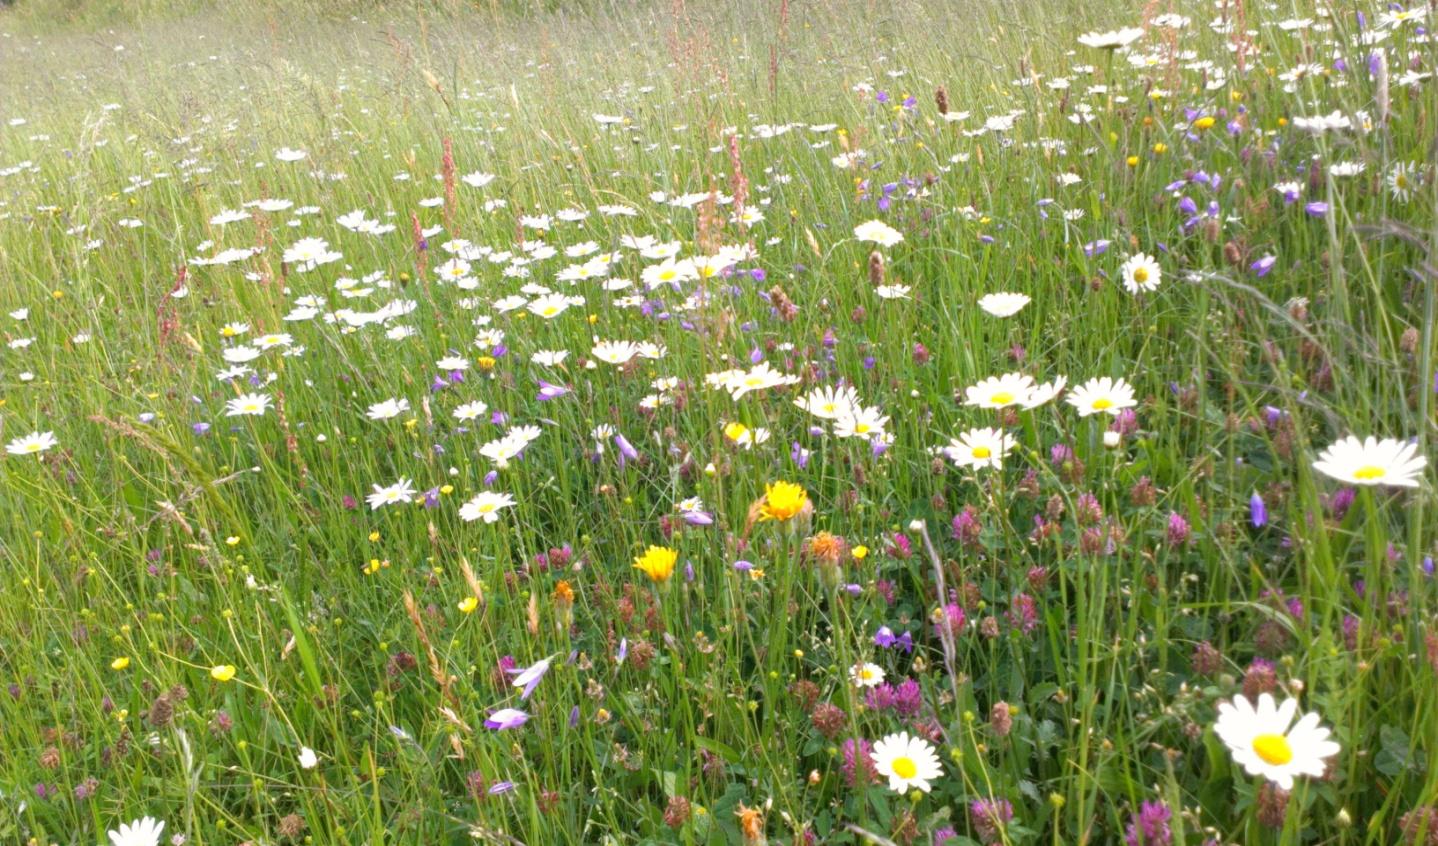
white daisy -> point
(485, 506)
(1102, 394)
(910, 763)
(1372, 462)
(247, 404)
(979, 448)
(866, 675)
(31, 444)
(141, 832)
(1003, 304)
(878, 232)
(1266, 741)
(1141, 273)
(401, 491)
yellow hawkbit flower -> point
(468, 604)
(657, 563)
(120, 663)
(783, 501)
(222, 672)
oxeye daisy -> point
(979, 448)
(1111, 40)
(1003, 304)
(1141, 273)
(1103, 394)
(31, 444)
(1372, 462)
(1265, 740)
(878, 232)
(1000, 391)
(829, 403)
(401, 491)
(866, 675)
(141, 832)
(909, 763)
(387, 409)
(485, 506)
(247, 404)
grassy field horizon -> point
(759, 422)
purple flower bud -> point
(506, 718)
(1316, 209)
(625, 448)
(1257, 511)
(548, 391)
(1263, 265)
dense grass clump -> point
(717, 423)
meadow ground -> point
(760, 422)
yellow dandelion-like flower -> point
(783, 501)
(222, 672)
(657, 563)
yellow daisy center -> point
(1369, 471)
(982, 452)
(1140, 274)
(904, 767)
(1103, 403)
(1273, 749)
(1002, 398)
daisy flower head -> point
(861, 423)
(1266, 741)
(909, 763)
(998, 392)
(247, 404)
(1402, 179)
(387, 409)
(1103, 394)
(979, 448)
(829, 403)
(1111, 40)
(878, 232)
(1141, 273)
(866, 675)
(1003, 304)
(141, 832)
(485, 506)
(1372, 462)
(32, 444)
(401, 491)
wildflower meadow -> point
(730, 422)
